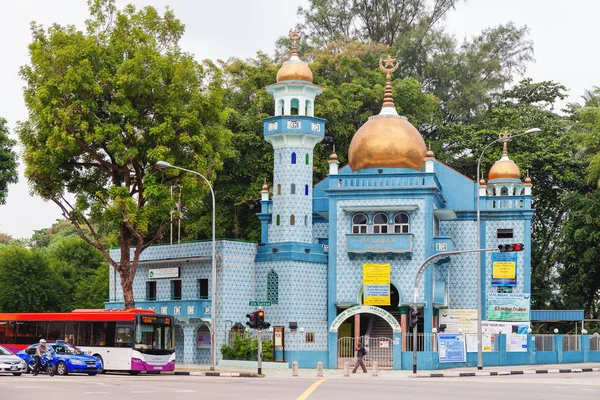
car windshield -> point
(69, 350)
(4, 352)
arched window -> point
(273, 287)
(279, 189)
(306, 190)
(293, 188)
(295, 106)
(293, 158)
(281, 108)
(277, 220)
(504, 191)
(306, 220)
(292, 220)
(359, 223)
(401, 224)
(203, 337)
(307, 158)
(380, 223)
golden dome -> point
(265, 186)
(333, 157)
(429, 153)
(527, 178)
(505, 168)
(294, 69)
(387, 141)
(482, 181)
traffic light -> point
(414, 317)
(252, 322)
(511, 247)
(260, 318)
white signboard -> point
(516, 343)
(486, 341)
(494, 327)
(457, 320)
(158, 273)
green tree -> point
(106, 104)
(28, 283)
(8, 161)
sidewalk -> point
(204, 370)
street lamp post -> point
(479, 299)
(213, 305)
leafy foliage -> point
(104, 106)
(8, 161)
(245, 347)
(28, 283)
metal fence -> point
(428, 342)
(571, 343)
(544, 342)
(378, 349)
(595, 342)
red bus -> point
(125, 340)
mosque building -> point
(338, 260)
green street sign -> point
(259, 303)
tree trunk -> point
(125, 268)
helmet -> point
(42, 341)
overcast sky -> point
(564, 35)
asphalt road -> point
(582, 386)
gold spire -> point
(295, 35)
(333, 157)
(527, 178)
(504, 167)
(430, 153)
(388, 100)
(265, 186)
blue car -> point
(66, 358)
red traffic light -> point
(511, 247)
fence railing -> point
(544, 342)
(595, 342)
(571, 343)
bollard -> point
(346, 369)
(320, 369)
(295, 368)
(375, 371)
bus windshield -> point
(154, 333)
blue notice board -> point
(451, 348)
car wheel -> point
(61, 368)
(17, 373)
(102, 361)
(91, 373)
(134, 372)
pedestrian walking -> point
(360, 353)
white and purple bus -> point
(125, 340)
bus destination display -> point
(151, 319)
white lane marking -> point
(97, 392)
(142, 391)
(185, 391)
(27, 387)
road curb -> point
(515, 372)
(208, 373)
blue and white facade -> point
(315, 240)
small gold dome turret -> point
(504, 168)
(429, 153)
(527, 178)
(482, 182)
(294, 69)
(265, 187)
(387, 140)
(333, 157)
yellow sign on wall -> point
(376, 284)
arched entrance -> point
(379, 348)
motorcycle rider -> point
(39, 353)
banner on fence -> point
(508, 306)
(456, 319)
(451, 348)
(495, 327)
(504, 269)
(376, 284)
(486, 342)
(516, 343)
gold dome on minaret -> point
(387, 140)
(504, 168)
(294, 69)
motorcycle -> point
(46, 364)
